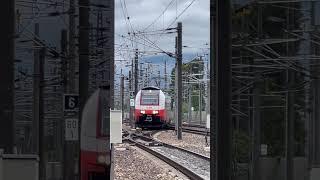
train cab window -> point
(150, 98)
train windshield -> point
(149, 97)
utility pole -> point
(83, 67)
(223, 104)
(208, 89)
(290, 119)
(179, 79)
(42, 140)
(165, 75)
(70, 147)
(136, 71)
(7, 56)
(176, 87)
(256, 120)
(130, 94)
(147, 76)
(200, 102)
(159, 79)
(189, 104)
(122, 93)
(141, 76)
(200, 91)
(314, 124)
(132, 73)
(72, 47)
(314, 127)
(213, 122)
(256, 135)
(36, 93)
(65, 69)
(290, 108)
(37, 123)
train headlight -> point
(102, 159)
(155, 112)
(143, 112)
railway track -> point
(193, 165)
(194, 129)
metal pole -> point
(159, 79)
(213, 62)
(189, 104)
(314, 126)
(122, 94)
(200, 102)
(136, 69)
(64, 48)
(7, 55)
(310, 102)
(179, 79)
(36, 93)
(83, 65)
(290, 118)
(223, 103)
(176, 97)
(42, 140)
(290, 111)
(72, 47)
(141, 77)
(256, 136)
(208, 89)
(200, 95)
(165, 75)
(131, 109)
(256, 120)
(69, 147)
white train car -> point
(151, 108)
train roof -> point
(150, 88)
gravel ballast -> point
(132, 163)
(191, 142)
(197, 165)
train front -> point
(150, 108)
(95, 137)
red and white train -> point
(95, 138)
(150, 108)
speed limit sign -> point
(70, 102)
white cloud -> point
(195, 20)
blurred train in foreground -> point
(151, 106)
(95, 137)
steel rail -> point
(173, 147)
(184, 170)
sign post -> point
(132, 109)
(70, 134)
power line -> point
(185, 9)
(167, 7)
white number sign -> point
(71, 130)
(132, 102)
(70, 102)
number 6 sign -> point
(70, 102)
